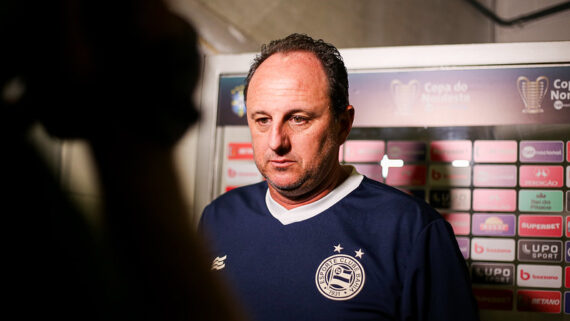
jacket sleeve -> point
(437, 284)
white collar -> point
(307, 211)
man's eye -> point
(298, 120)
(262, 121)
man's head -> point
(329, 57)
(295, 133)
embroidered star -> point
(359, 253)
(338, 248)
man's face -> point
(295, 136)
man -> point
(317, 240)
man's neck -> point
(338, 175)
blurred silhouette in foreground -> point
(120, 75)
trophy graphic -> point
(404, 95)
(532, 93)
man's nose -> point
(279, 139)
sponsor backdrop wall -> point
(481, 132)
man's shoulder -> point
(247, 191)
(239, 198)
(394, 202)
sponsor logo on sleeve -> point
(494, 299)
(492, 273)
(219, 262)
(540, 225)
(539, 276)
(539, 301)
(540, 251)
(492, 249)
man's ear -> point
(345, 120)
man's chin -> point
(285, 187)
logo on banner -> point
(540, 225)
(539, 301)
(490, 249)
(494, 224)
(492, 273)
(560, 93)
(340, 277)
(542, 276)
(404, 95)
(238, 102)
(540, 251)
(494, 299)
(532, 93)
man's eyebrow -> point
(259, 112)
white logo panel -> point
(492, 249)
(541, 276)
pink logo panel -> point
(494, 175)
(363, 150)
(407, 175)
(460, 222)
(495, 151)
(450, 150)
(372, 171)
(541, 176)
(502, 200)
